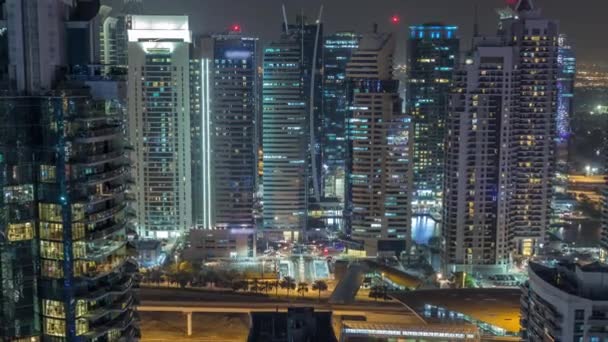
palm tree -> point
(320, 286)
(255, 285)
(288, 283)
(302, 288)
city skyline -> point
(264, 20)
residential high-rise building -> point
(66, 266)
(433, 51)
(224, 129)
(291, 107)
(478, 150)
(566, 62)
(337, 51)
(564, 302)
(380, 170)
(285, 139)
(500, 143)
(159, 123)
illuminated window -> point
(82, 326)
(20, 231)
(51, 231)
(50, 212)
(48, 173)
(51, 250)
(53, 308)
(52, 269)
(77, 231)
(54, 327)
(81, 308)
(77, 212)
(79, 249)
(18, 194)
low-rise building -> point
(205, 244)
(565, 302)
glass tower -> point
(337, 51)
(432, 54)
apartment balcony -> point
(119, 286)
(102, 250)
(117, 306)
(106, 231)
(94, 270)
(93, 135)
(98, 158)
(121, 323)
(104, 214)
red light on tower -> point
(395, 19)
(236, 28)
(512, 2)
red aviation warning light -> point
(395, 19)
(235, 28)
(512, 3)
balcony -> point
(122, 322)
(93, 135)
(105, 214)
(99, 158)
(106, 230)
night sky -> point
(584, 21)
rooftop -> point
(588, 281)
(497, 306)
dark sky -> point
(584, 21)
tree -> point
(181, 273)
(320, 286)
(288, 283)
(255, 285)
(276, 284)
(378, 291)
(155, 275)
(302, 288)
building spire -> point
(475, 23)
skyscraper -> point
(291, 107)
(380, 173)
(432, 54)
(337, 51)
(227, 117)
(501, 142)
(285, 138)
(66, 267)
(566, 62)
(159, 123)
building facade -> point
(500, 145)
(566, 302)
(380, 170)
(228, 117)
(432, 55)
(285, 139)
(159, 124)
(337, 51)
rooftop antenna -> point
(476, 23)
(285, 19)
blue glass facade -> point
(337, 51)
(432, 54)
